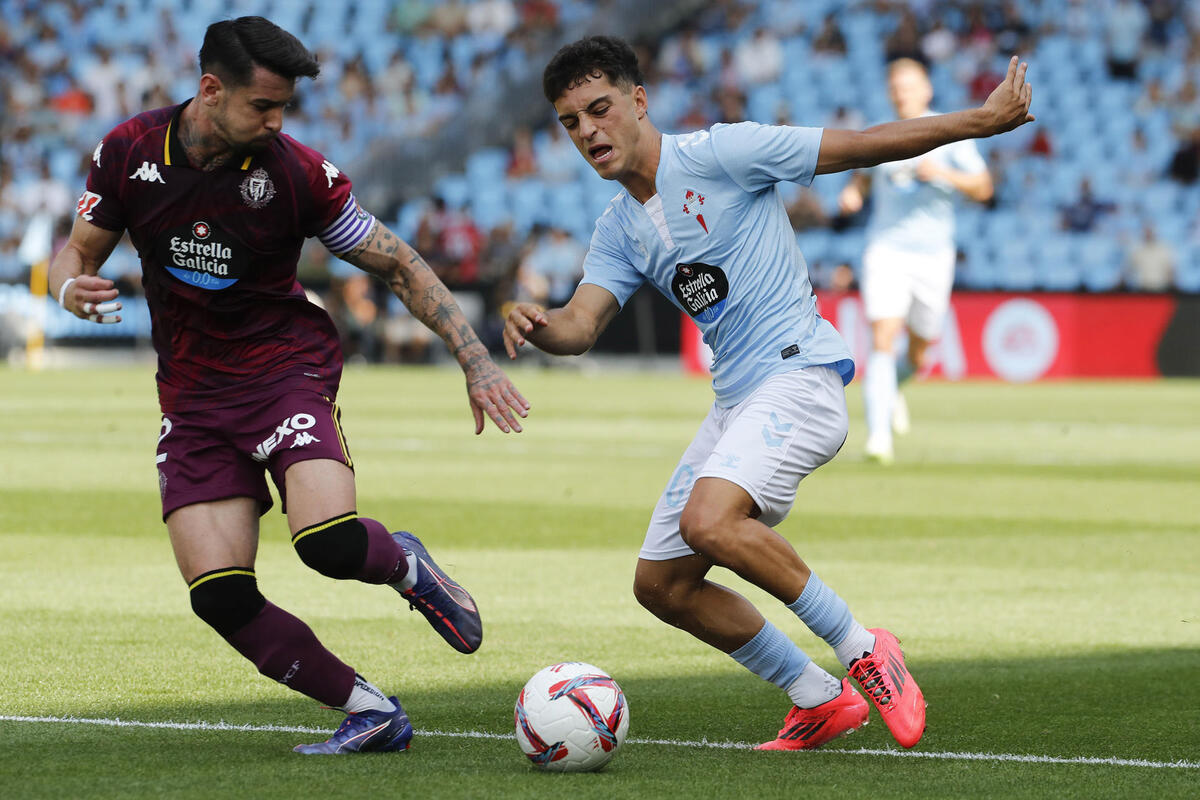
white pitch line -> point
(862, 751)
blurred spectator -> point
(847, 118)
(44, 195)
(447, 18)
(1125, 25)
(551, 269)
(1150, 264)
(102, 80)
(905, 41)
(357, 316)
(685, 56)
(759, 59)
(495, 18)
(1081, 215)
(1040, 144)
(731, 106)
(460, 245)
(539, 15)
(939, 44)
(1184, 109)
(804, 211)
(1185, 162)
(522, 161)
(830, 40)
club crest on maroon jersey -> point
(257, 189)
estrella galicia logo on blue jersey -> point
(701, 289)
(196, 255)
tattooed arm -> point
(389, 258)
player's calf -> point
(350, 546)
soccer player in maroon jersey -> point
(218, 202)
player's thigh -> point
(213, 535)
(884, 333)
(790, 426)
(663, 541)
(931, 287)
(294, 428)
(317, 490)
(886, 283)
(198, 463)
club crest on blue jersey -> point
(196, 255)
(693, 206)
(701, 289)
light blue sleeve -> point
(607, 263)
(965, 157)
(757, 156)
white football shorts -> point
(915, 287)
(789, 426)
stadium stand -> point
(404, 70)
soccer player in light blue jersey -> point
(700, 219)
(908, 265)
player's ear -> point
(639, 100)
(210, 88)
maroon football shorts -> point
(223, 452)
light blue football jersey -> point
(913, 215)
(717, 243)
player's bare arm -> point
(1006, 108)
(976, 186)
(389, 258)
(570, 330)
(74, 277)
(854, 193)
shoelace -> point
(872, 681)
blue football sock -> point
(827, 615)
(772, 656)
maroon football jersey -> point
(219, 250)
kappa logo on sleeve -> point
(331, 171)
(96, 153)
(87, 204)
(148, 172)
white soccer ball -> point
(571, 717)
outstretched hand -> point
(1008, 104)
(92, 298)
(522, 318)
(492, 394)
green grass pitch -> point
(1037, 549)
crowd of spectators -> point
(1115, 154)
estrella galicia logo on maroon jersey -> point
(701, 289)
(196, 255)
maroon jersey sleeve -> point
(101, 203)
(328, 189)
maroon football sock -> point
(386, 561)
(285, 649)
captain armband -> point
(347, 231)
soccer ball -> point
(571, 717)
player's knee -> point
(664, 599)
(336, 548)
(704, 530)
(227, 599)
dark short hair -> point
(234, 47)
(612, 57)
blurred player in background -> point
(218, 203)
(908, 265)
(700, 219)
